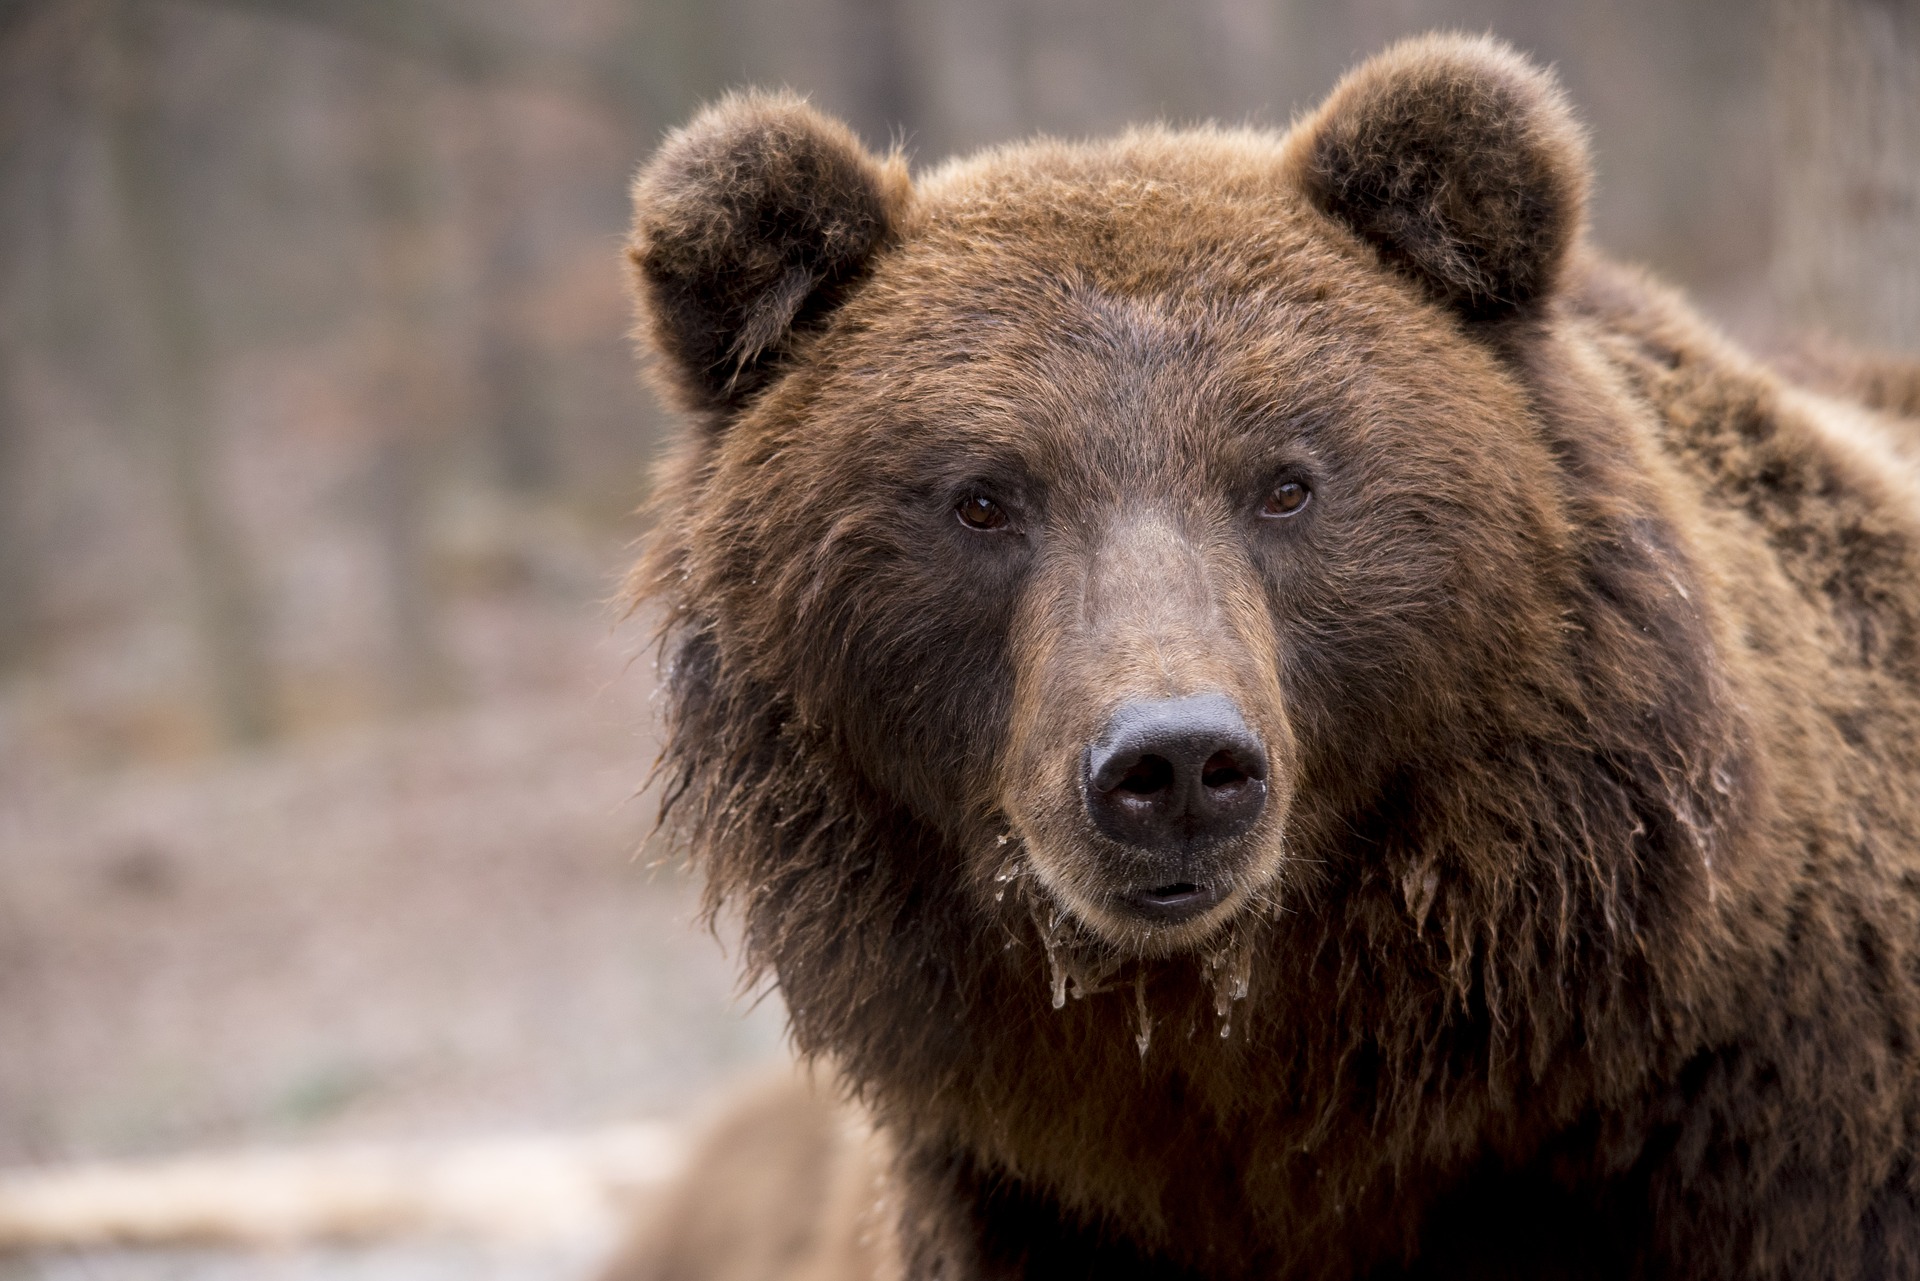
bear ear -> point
(749, 223)
(1459, 161)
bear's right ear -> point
(748, 225)
(1459, 161)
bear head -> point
(1133, 524)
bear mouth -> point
(1171, 904)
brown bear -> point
(1274, 714)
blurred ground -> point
(413, 1261)
(415, 929)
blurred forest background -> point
(319, 433)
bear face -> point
(1018, 533)
(1137, 522)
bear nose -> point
(1176, 775)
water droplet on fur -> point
(1233, 981)
(1144, 1037)
(1236, 976)
(1421, 887)
(1056, 963)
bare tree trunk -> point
(513, 371)
(1847, 238)
(22, 326)
(16, 560)
(175, 404)
(410, 382)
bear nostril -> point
(1149, 775)
(1221, 770)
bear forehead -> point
(1201, 215)
(1152, 170)
(1186, 250)
(1048, 295)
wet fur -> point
(1588, 944)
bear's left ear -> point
(1460, 162)
(748, 225)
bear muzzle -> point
(1174, 779)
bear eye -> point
(977, 511)
(1288, 498)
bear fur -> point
(787, 1185)
(1579, 930)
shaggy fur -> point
(751, 222)
(1469, 173)
(1580, 933)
